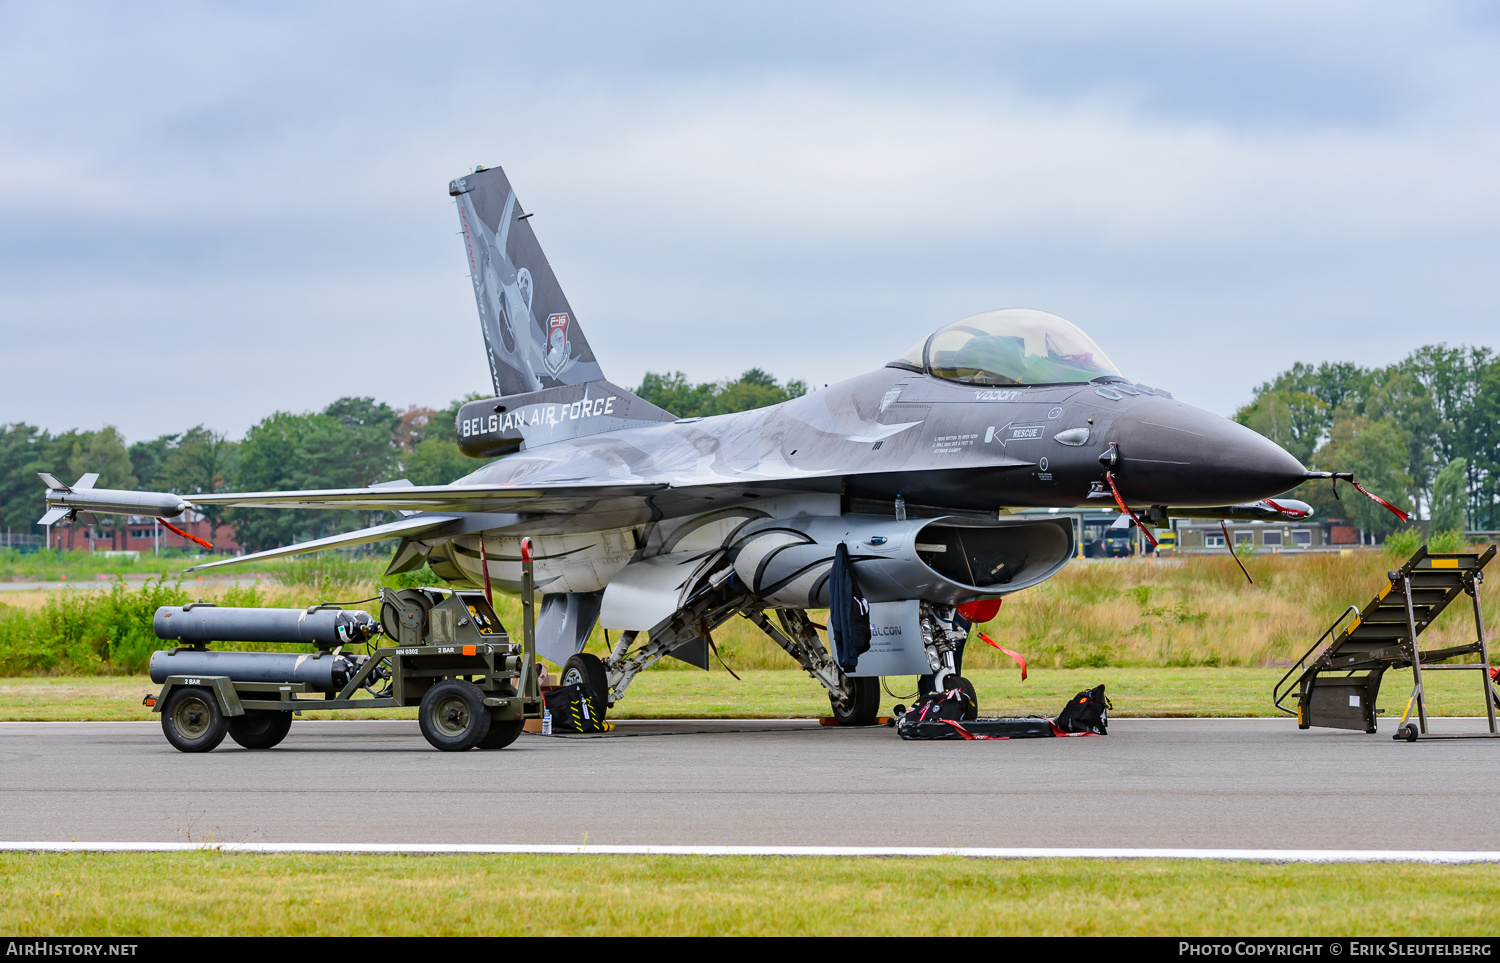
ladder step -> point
(1384, 613)
(1392, 653)
(1381, 630)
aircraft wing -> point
(445, 509)
(554, 497)
(406, 528)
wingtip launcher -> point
(64, 501)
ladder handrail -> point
(1301, 663)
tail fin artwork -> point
(532, 335)
(548, 386)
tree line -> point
(352, 443)
(1423, 432)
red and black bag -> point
(941, 716)
(954, 704)
(1088, 711)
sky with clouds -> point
(212, 211)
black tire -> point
(502, 733)
(1410, 732)
(971, 708)
(453, 716)
(589, 670)
(860, 711)
(260, 728)
(191, 720)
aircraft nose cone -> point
(1174, 454)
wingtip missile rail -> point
(1265, 510)
(66, 501)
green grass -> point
(80, 566)
(211, 894)
(790, 694)
(1200, 610)
(86, 566)
(1187, 636)
(101, 631)
(1196, 611)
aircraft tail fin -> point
(530, 331)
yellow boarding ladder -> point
(1336, 682)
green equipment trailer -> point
(449, 655)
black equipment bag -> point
(953, 704)
(574, 708)
(1088, 711)
(848, 612)
(938, 716)
(910, 727)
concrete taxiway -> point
(1186, 783)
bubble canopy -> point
(1013, 346)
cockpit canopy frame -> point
(1010, 346)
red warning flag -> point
(1014, 655)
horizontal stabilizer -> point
(50, 480)
(398, 483)
(54, 516)
(85, 482)
(406, 527)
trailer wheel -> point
(191, 720)
(502, 733)
(589, 670)
(453, 715)
(861, 709)
(260, 728)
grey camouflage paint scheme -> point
(897, 432)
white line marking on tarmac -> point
(1129, 720)
(432, 849)
(94, 722)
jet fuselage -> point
(936, 444)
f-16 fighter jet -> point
(662, 528)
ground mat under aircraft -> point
(1086, 714)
